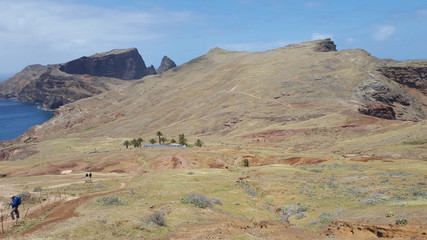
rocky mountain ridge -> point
(236, 93)
(125, 64)
(55, 85)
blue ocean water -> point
(16, 117)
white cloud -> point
(383, 32)
(422, 12)
(256, 46)
(351, 40)
(47, 29)
(317, 36)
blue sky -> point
(56, 31)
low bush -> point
(250, 191)
(157, 218)
(374, 199)
(389, 214)
(200, 201)
(418, 193)
(245, 162)
(110, 201)
(401, 221)
(28, 197)
(291, 210)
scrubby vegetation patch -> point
(200, 201)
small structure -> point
(165, 145)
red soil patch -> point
(358, 230)
(302, 161)
(171, 162)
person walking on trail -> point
(87, 176)
(16, 201)
(90, 176)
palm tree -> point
(159, 134)
(126, 144)
(140, 140)
(135, 143)
(182, 140)
(163, 140)
(198, 143)
(173, 141)
(152, 141)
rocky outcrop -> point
(152, 70)
(51, 88)
(165, 65)
(55, 85)
(53, 91)
(378, 110)
(379, 92)
(14, 85)
(125, 64)
(411, 76)
(325, 45)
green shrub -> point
(200, 201)
(110, 201)
(401, 221)
(157, 218)
(245, 162)
(416, 142)
(250, 191)
(389, 214)
(291, 210)
(38, 189)
(374, 199)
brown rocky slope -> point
(322, 98)
(303, 97)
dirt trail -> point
(61, 211)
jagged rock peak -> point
(325, 45)
(125, 64)
(151, 70)
(165, 65)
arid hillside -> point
(303, 97)
(300, 142)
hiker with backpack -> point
(16, 201)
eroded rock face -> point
(378, 110)
(411, 76)
(53, 91)
(378, 91)
(326, 45)
(166, 64)
(125, 64)
(55, 85)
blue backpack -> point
(18, 200)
